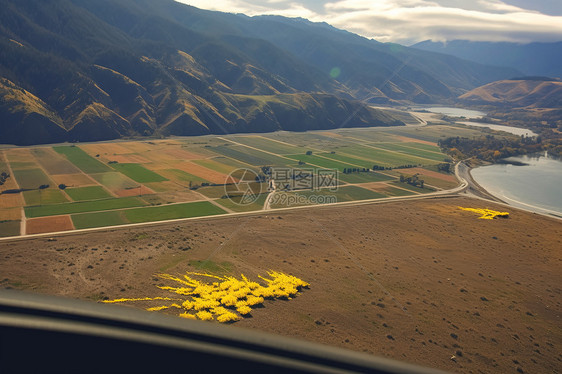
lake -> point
(536, 186)
(513, 130)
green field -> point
(382, 157)
(114, 180)
(222, 164)
(9, 228)
(422, 146)
(407, 186)
(350, 193)
(82, 206)
(87, 193)
(31, 178)
(233, 203)
(355, 162)
(268, 145)
(362, 177)
(99, 219)
(159, 174)
(392, 191)
(413, 151)
(324, 196)
(182, 176)
(23, 165)
(318, 161)
(44, 196)
(54, 163)
(82, 160)
(175, 211)
(249, 155)
(433, 133)
(139, 173)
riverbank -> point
(526, 182)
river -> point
(453, 112)
(536, 186)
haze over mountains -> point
(80, 70)
(533, 59)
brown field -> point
(127, 159)
(10, 214)
(108, 149)
(413, 140)
(155, 166)
(11, 200)
(19, 155)
(138, 147)
(431, 173)
(330, 134)
(9, 184)
(203, 172)
(166, 186)
(73, 180)
(418, 281)
(382, 187)
(48, 224)
(174, 197)
(53, 162)
(181, 154)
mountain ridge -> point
(116, 68)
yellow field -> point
(200, 171)
(106, 149)
(10, 214)
(19, 155)
(11, 200)
(73, 180)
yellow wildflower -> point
(244, 309)
(187, 315)
(204, 315)
(487, 213)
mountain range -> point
(531, 92)
(82, 70)
(532, 59)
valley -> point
(83, 186)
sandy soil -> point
(419, 281)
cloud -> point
(410, 21)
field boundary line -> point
(431, 195)
(387, 150)
(23, 225)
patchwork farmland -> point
(78, 186)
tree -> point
(62, 186)
(308, 153)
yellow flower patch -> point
(487, 213)
(227, 299)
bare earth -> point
(419, 281)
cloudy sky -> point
(410, 21)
